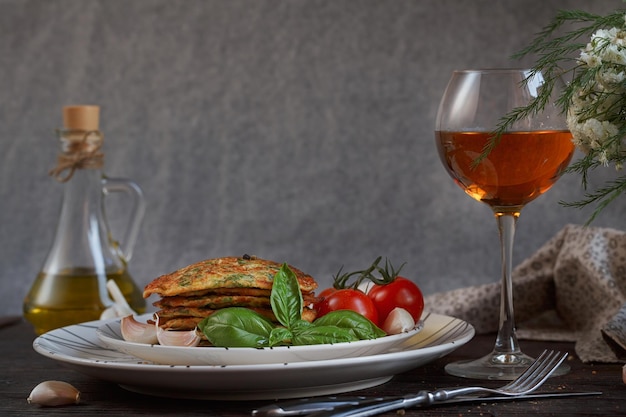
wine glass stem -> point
(506, 342)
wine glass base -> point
(497, 366)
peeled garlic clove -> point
(121, 305)
(365, 286)
(184, 338)
(399, 320)
(134, 331)
(109, 313)
(54, 393)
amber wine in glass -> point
(527, 160)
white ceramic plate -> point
(111, 335)
(79, 348)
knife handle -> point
(307, 406)
(367, 409)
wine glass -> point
(527, 160)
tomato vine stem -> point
(387, 275)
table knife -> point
(318, 404)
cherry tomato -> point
(401, 292)
(326, 292)
(347, 299)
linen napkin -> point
(572, 289)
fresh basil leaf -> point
(286, 297)
(318, 335)
(280, 336)
(236, 327)
(300, 325)
(357, 324)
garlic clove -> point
(365, 286)
(137, 332)
(121, 305)
(399, 320)
(53, 394)
(183, 338)
(109, 313)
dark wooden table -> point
(22, 368)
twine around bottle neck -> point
(80, 150)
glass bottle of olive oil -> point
(71, 286)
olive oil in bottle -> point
(71, 286)
(58, 300)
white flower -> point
(614, 54)
(605, 46)
(590, 59)
(610, 76)
(594, 115)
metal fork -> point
(536, 374)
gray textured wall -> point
(296, 130)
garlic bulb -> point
(399, 320)
(54, 393)
(134, 331)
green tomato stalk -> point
(387, 275)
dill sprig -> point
(602, 196)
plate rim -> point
(242, 382)
(38, 346)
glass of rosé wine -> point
(524, 161)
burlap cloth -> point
(572, 289)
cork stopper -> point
(82, 117)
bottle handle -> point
(130, 188)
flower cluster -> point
(597, 107)
(594, 100)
